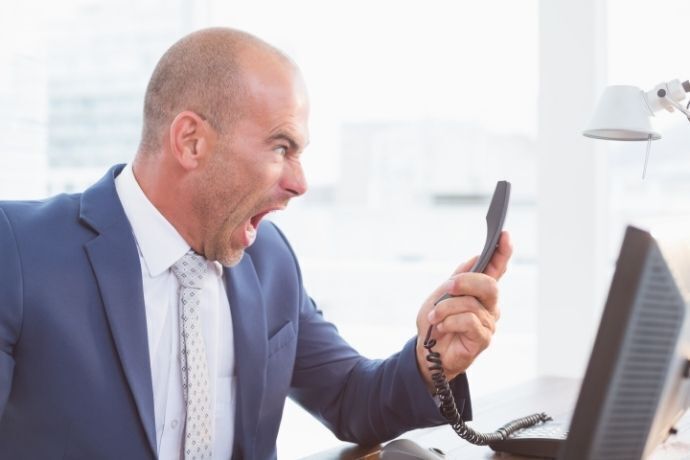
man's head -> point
(225, 122)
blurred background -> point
(418, 108)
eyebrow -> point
(282, 135)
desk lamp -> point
(623, 112)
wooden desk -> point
(554, 395)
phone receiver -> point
(495, 217)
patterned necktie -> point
(190, 271)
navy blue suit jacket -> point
(75, 380)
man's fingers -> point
(477, 285)
(470, 329)
(449, 315)
(460, 338)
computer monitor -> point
(636, 385)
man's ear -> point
(191, 139)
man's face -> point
(255, 166)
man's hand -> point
(464, 323)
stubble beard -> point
(223, 249)
(233, 258)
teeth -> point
(251, 232)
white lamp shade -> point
(623, 115)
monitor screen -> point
(636, 384)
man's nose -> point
(294, 180)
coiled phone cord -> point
(449, 409)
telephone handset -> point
(495, 218)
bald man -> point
(156, 316)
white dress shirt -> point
(160, 246)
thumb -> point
(440, 291)
(446, 285)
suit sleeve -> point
(10, 306)
(362, 400)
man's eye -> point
(281, 150)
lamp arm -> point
(662, 94)
(668, 95)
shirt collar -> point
(160, 245)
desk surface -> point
(554, 395)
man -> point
(153, 316)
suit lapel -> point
(114, 258)
(249, 327)
(115, 262)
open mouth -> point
(253, 224)
(254, 221)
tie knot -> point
(190, 270)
